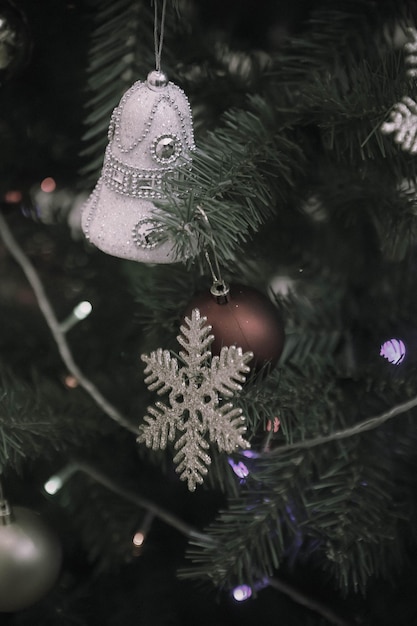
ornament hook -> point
(219, 288)
(5, 510)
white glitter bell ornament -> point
(150, 144)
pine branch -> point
(118, 490)
(335, 505)
(335, 499)
(35, 421)
(139, 501)
(313, 605)
(343, 33)
(363, 426)
(119, 26)
(55, 328)
(353, 517)
(121, 52)
(252, 535)
(239, 176)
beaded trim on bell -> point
(115, 122)
(137, 183)
(145, 234)
(92, 205)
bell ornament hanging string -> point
(159, 36)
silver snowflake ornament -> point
(197, 384)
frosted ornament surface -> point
(198, 409)
(149, 131)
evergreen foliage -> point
(295, 191)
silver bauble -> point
(15, 42)
(150, 145)
(30, 559)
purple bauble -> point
(244, 317)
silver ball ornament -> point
(15, 41)
(30, 559)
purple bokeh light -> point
(239, 469)
(250, 454)
(242, 593)
(394, 351)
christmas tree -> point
(156, 467)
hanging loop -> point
(219, 288)
(5, 510)
(158, 33)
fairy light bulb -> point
(394, 351)
(48, 185)
(79, 313)
(250, 454)
(242, 593)
(240, 469)
(70, 382)
(273, 425)
(13, 196)
(138, 539)
(83, 310)
(141, 534)
(53, 485)
(57, 481)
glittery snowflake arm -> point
(160, 426)
(403, 118)
(227, 426)
(195, 339)
(403, 124)
(161, 422)
(229, 370)
(161, 371)
(192, 460)
(411, 53)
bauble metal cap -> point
(157, 80)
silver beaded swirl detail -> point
(146, 234)
(114, 128)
